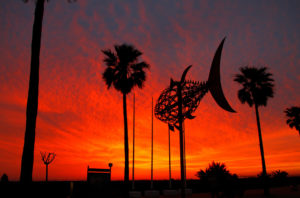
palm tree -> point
(219, 179)
(257, 88)
(32, 101)
(33, 92)
(124, 72)
(215, 169)
(293, 115)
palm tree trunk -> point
(32, 101)
(126, 149)
(264, 171)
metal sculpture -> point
(166, 108)
(177, 102)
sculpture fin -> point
(214, 81)
(184, 73)
(172, 83)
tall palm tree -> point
(257, 88)
(33, 92)
(32, 101)
(124, 72)
(293, 115)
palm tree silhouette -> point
(215, 169)
(124, 72)
(293, 117)
(33, 92)
(257, 88)
(32, 101)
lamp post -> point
(110, 165)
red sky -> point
(81, 121)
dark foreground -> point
(248, 187)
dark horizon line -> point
(145, 180)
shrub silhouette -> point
(215, 170)
(4, 178)
(279, 174)
(220, 181)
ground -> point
(281, 192)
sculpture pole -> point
(133, 137)
(180, 120)
(170, 177)
(152, 145)
(184, 154)
(180, 128)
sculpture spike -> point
(184, 73)
(214, 81)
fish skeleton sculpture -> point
(191, 92)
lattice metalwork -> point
(166, 108)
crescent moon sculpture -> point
(166, 108)
(214, 80)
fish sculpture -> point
(189, 93)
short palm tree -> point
(257, 88)
(124, 71)
(293, 117)
(33, 93)
(215, 169)
(279, 174)
(219, 180)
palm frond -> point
(257, 85)
(110, 58)
(139, 78)
(245, 97)
(140, 66)
(293, 115)
(109, 76)
(127, 53)
(123, 69)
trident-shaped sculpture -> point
(181, 99)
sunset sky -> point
(82, 121)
